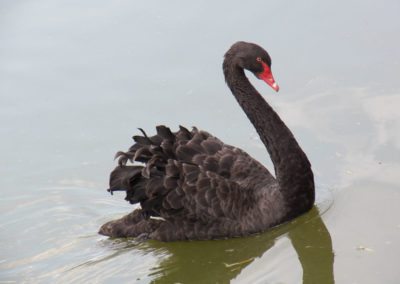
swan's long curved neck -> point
(292, 168)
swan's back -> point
(201, 187)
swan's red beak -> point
(267, 77)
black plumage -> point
(205, 189)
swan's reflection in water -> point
(221, 261)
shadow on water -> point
(223, 260)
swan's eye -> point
(259, 59)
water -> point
(78, 78)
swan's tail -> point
(155, 184)
(152, 184)
(135, 224)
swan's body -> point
(205, 189)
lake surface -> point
(77, 78)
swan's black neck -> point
(292, 168)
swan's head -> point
(254, 58)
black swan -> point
(192, 186)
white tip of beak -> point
(275, 86)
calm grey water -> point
(78, 77)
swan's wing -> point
(191, 174)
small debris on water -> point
(363, 248)
(238, 263)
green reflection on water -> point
(220, 261)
